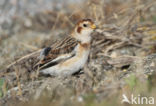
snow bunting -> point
(70, 55)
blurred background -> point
(28, 23)
(126, 28)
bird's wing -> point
(57, 53)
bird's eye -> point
(84, 25)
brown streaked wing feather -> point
(67, 45)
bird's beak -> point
(93, 26)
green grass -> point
(131, 81)
(1, 87)
(154, 19)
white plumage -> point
(70, 63)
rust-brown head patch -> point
(83, 24)
(83, 20)
(79, 29)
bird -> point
(69, 55)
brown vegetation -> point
(122, 59)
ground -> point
(122, 59)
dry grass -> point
(122, 59)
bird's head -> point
(83, 30)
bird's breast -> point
(78, 61)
